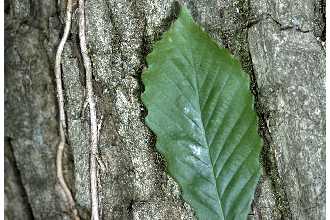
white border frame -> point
(2, 73)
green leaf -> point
(201, 109)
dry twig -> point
(62, 123)
(92, 111)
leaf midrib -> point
(202, 126)
(204, 136)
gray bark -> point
(280, 45)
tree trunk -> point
(281, 45)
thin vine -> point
(62, 122)
(92, 112)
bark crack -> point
(11, 157)
(266, 16)
(267, 158)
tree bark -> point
(280, 44)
